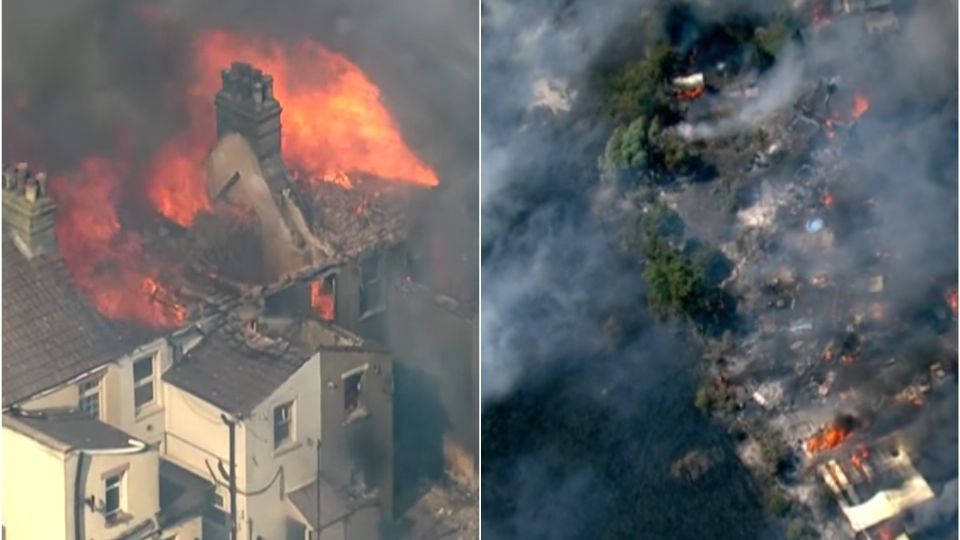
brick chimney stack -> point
(28, 212)
(246, 105)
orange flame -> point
(827, 199)
(691, 94)
(859, 457)
(334, 124)
(322, 300)
(175, 184)
(860, 105)
(334, 121)
(826, 439)
(106, 261)
(952, 301)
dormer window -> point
(323, 297)
(143, 382)
(89, 401)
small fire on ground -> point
(827, 439)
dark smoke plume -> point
(578, 382)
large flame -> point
(106, 261)
(334, 124)
(826, 439)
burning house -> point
(876, 487)
(249, 365)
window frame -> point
(94, 393)
(359, 410)
(376, 285)
(113, 516)
(290, 424)
(150, 380)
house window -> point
(90, 397)
(352, 384)
(111, 504)
(143, 382)
(371, 284)
(282, 424)
(323, 297)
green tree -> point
(641, 89)
(676, 286)
(628, 147)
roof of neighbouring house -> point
(50, 332)
(234, 372)
(335, 503)
(182, 493)
(67, 429)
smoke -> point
(777, 90)
(553, 282)
(586, 402)
(941, 509)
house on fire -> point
(270, 409)
(133, 437)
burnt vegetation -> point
(778, 242)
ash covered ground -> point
(719, 262)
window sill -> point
(286, 448)
(356, 416)
(147, 411)
(118, 520)
(371, 313)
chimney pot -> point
(257, 90)
(41, 184)
(268, 88)
(31, 191)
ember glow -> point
(952, 301)
(322, 300)
(819, 15)
(106, 261)
(690, 95)
(860, 105)
(826, 439)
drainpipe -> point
(232, 427)
(319, 521)
(134, 448)
(78, 498)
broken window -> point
(282, 424)
(143, 382)
(90, 397)
(323, 297)
(371, 284)
(352, 384)
(111, 506)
